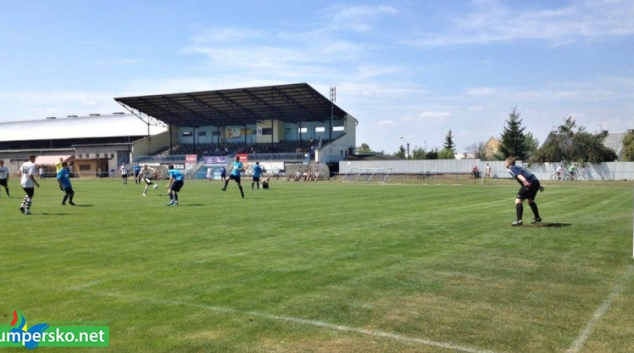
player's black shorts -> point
(265, 185)
(3, 182)
(235, 177)
(29, 191)
(256, 179)
(530, 193)
(124, 176)
(177, 185)
(148, 181)
(69, 190)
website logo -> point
(19, 333)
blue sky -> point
(405, 67)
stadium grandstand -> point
(280, 126)
(285, 127)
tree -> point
(446, 153)
(449, 144)
(477, 150)
(418, 153)
(364, 148)
(531, 143)
(432, 154)
(567, 145)
(513, 139)
(628, 146)
(401, 153)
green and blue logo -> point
(19, 333)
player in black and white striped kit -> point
(28, 182)
(4, 177)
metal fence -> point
(543, 171)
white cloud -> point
(385, 123)
(357, 18)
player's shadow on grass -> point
(193, 204)
(84, 206)
(551, 225)
(56, 214)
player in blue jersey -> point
(176, 181)
(235, 174)
(223, 173)
(137, 171)
(528, 191)
(257, 173)
(63, 177)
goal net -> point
(367, 174)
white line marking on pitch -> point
(598, 314)
(323, 324)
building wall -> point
(150, 145)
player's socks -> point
(64, 200)
(241, 192)
(519, 210)
(535, 210)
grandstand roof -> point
(289, 103)
(115, 125)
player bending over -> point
(528, 191)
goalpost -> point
(367, 174)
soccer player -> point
(257, 172)
(124, 174)
(528, 190)
(137, 172)
(487, 171)
(235, 174)
(27, 172)
(176, 181)
(63, 176)
(223, 173)
(147, 174)
(210, 174)
(4, 177)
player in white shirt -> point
(28, 172)
(4, 177)
(147, 174)
(124, 174)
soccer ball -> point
(155, 186)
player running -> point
(176, 181)
(148, 174)
(235, 174)
(528, 191)
(28, 172)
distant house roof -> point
(94, 126)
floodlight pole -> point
(402, 138)
(333, 99)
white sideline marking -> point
(374, 333)
(598, 314)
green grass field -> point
(326, 267)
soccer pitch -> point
(326, 267)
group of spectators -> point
(306, 175)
